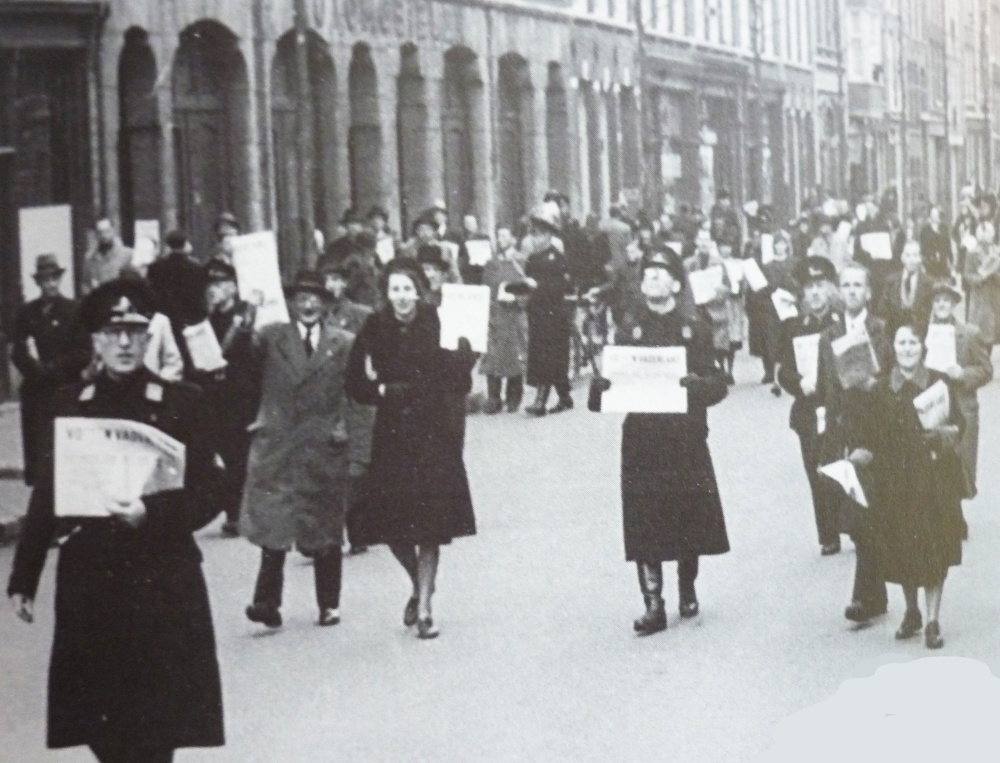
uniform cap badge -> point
(686, 332)
(637, 332)
(87, 393)
(154, 392)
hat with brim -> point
(219, 270)
(815, 268)
(943, 287)
(47, 265)
(308, 282)
(121, 302)
(665, 259)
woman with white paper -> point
(916, 480)
(781, 294)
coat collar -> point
(922, 378)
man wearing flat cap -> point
(49, 350)
(807, 419)
(298, 467)
(670, 500)
(133, 672)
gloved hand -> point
(691, 380)
(598, 386)
(466, 355)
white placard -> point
(933, 405)
(677, 247)
(480, 251)
(785, 304)
(385, 250)
(147, 229)
(204, 348)
(807, 356)
(754, 275)
(705, 284)
(734, 269)
(940, 343)
(766, 248)
(644, 380)
(878, 244)
(46, 230)
(844, 473)
(101, 459)
(464, 312)
(255, 258)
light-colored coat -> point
(973, 355)
(297, 471)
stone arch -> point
(411, 135)
(557, 129)
(211, 131)
(139, 133)
(285, 127)
(364, 147)
(461, 95)
(514, 131)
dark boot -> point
(493, 402)
(687, 573)
(654, 619)
(541, 398)
(515, 391)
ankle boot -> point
(541, 398)
(654, 619)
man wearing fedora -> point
(298, 467)
(48, 350)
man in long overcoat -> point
(297, 472)
(670, 500)
(133, 672)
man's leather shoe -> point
(652, 621)
(264, 614)
(536, 410)
(913, 621)
(329, 617)
(859, 612)
(689, 608)
(493, 405)
(829, 549)
(564, 404)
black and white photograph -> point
(499, 380)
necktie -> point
(307, 342)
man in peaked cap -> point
(817, 276)
(130, 591)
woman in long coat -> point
(507, 347)
(419, 493)
(671, 507)
(915, 483)
(982, 279)
(133, 672)
(780, 274)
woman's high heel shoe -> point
(426, 629)
(932, 635)
(913, 621)
(410, 613)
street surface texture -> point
(537, 660)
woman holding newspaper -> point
(907, 454)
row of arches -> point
(441, 152)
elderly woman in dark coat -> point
(419, 494)
(915, 483)
(133, 673)
(670, 500)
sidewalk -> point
(13, 492)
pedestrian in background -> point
(106, 260)
(133, 673)
(507, 345)
(982, 283)
(907, 295)
(178, 281)
(780, 273)
(418, 497)
(936, 246)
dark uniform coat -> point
(133, 657)
(418, 488)
(63, 351)
(297, 472)
(670, 500)
(549, 326)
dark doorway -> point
(514, 129)
(365, 139)
(461, 86)
(411, 131)
(557, 130)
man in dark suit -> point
(936, 247)
(817, 278)
(49, 350)
(178, 282)
(907, 294)
(844, 405)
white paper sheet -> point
(644, 380)
(734, 269)
(46, 230)
(101, 459)
(385, 250)
(933, 405)
(878, 244)
(255, 258)
(766, 248)
(464, 312)
(147, 229)
(785, 304)
(807, 356)
(844, 473)
(754, 275)
(705, 284)
(204, 348)
(480, 251)
(941, 352)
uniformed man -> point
(807, 418)
(133, 673)
(670, 500)
(49, 351)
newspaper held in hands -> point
(385, 250)
(878, 244)
(480, 251)
(767, 248)
(844, 474)
(807, 356)
(785, 304)
(756, 279)
(941, 352)
(854, 358)
(644, 379)
(255, 258)
(464, 312)
(98, 460)
(204, 347)
(933, 406)
(705, 284)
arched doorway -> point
(139, 138)
(284, 125)
(411, 132)
(462, 87)
(365, 138)
(557, 129)
(514, 128)
(211, 131)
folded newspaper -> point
(854, 358)
(933, 406)
(97, 460)
(845, 475)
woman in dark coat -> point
(133, 673)
(670, 500)
(916, 485)
(549, 327)
(419, 493)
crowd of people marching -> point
(349, 420)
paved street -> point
(537, 660)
